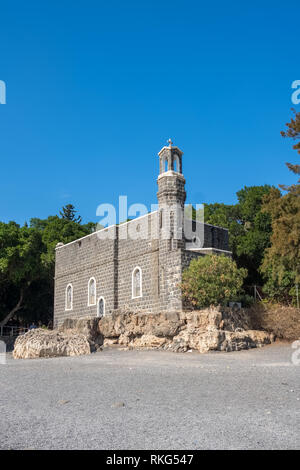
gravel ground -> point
(152, 400)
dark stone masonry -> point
(135, 266)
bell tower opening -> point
(170, 159)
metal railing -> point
(12, 330)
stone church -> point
(136, 265)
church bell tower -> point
(171, 195)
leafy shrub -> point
(212, 280)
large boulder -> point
(86, 326)
(214, 328)
(160, 324)
(236, 340)
(47, 343)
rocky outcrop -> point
(205, 330)
(86, 326)
(137, 324)
(46, 343)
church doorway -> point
(101, 307)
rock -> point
(118, 404)
(87, 326)
(109, 342)
(47, 343)
(162, 324)
(214, 328)
(124, 338)
(148, 342)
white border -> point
(141, 281)
(101, 297)
(69, 309)
(88, 304)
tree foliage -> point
(55, 230)
(27, 256)
(21, 250)
(212, 280)
(68, 212)
(293, 130)
(281, 264)
(249, 228)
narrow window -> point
(136, 283)
(92, 292)
(69, 297)
(161, 219)
(166, 165)
(101, 307)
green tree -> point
(212, 280)
(60, 230)
(68, 212)
(254, 238)
(249, 228)
(21, 265)
(281, 264)
(27, 257)
(293, 132)
(53, 230)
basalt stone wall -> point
(75, 264)
(215, 237)
(187, 256)
(210, 236)
(138, 248)
(170, 270)
(110, 256)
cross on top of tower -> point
(170, 143)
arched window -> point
(92, 292)
(176, 164)
(101, 307)
(166, 164)
(69, 297)
(136, 283)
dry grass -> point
(283, 321)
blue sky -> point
(95, 89)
